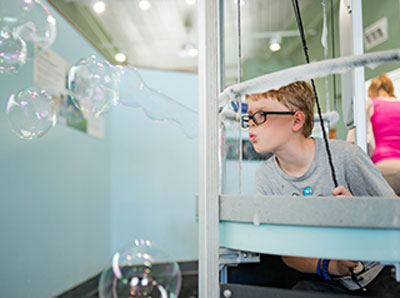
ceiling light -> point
(241, 2)
(190, 2)
(120, 57)
(188, 50)
(193, 52)
(274, 47)
(99, 7)
(275, 43)
(144, 4)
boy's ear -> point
(298, 121)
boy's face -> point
(271, 135)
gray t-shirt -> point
(354, 170)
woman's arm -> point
(370, 131)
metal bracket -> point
(231, 257)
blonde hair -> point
(297, 96)
(381, 83)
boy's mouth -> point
(252, 137)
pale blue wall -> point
(68, 200)
(154, 172)
(232, 177)
(55, 226)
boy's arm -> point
(309, 265)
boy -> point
(281, 122)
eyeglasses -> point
(260, 117)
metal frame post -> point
(209, 180)
(360, 120)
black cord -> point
(355, 279)
(303, 39)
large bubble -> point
(140, 269)
(92, 84)
(30, 20)
(133, 92)
(31, 113)
(13, 52)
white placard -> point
(50, 72)
(96, 126)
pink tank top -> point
(386, 126)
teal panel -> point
(306, 241)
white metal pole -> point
(208, 18)
(358, 77)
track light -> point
(275, 43)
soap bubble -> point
(140, 269)
(32, 21)
(92, 84)
(31, 113)
(133, 92)
(13, 52)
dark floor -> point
(268, 278)
(189, 270)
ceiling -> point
(156, 37)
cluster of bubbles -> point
(140, 269)
(27, 28)
(95, 86)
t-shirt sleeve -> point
(363, 177)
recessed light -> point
(190, 2)
(241, 2)
(99, 7)
(144, 4)
(188, 50)
(120, 57)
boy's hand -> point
(341, 191)
(341, 268)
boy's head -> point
(297, 96)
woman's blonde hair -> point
(381, 83)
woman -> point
(383, 115)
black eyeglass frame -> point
(245, 119)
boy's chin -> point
(260, 150)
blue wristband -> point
(325, 273)
(319, 267)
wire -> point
(355, 279)
(303, 39)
